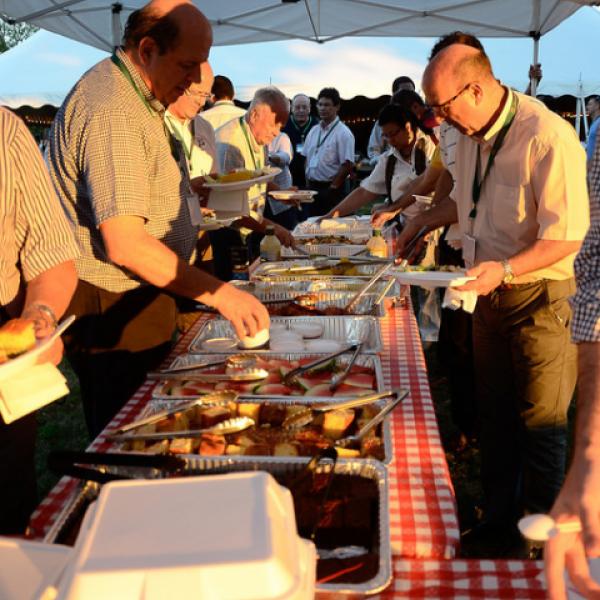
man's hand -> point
(245, 312)
(44, 328)
(284, 236)
(381, 217)
(489, 276)
(578, 499)
(410, 229)
(202, 192)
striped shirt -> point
(586, 302)
(110, 155)
(34, 234)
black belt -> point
(320, 185)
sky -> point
(48, 65)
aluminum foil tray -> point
(354, 225)
(336, 250)
(346, 330)
(293, 288)
(264, 271)
(369, 360)
(73, 512)
(156, 405)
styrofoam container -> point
(27, 568)
(225, 536)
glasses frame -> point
(197, 96)
(444, 107)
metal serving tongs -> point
(242, 361)
(294, 373)
(66, 462)
(380, 298)
(369, 284)
(410, 246)
(221, 398)
(339, 378)
(353, 440)
(233, 425)
(308, 413)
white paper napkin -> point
(29, 390)
(455, 299)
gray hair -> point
(275, 99)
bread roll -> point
(16, 336)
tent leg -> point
(116, 24)
(536, 56)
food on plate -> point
(235, 176)
(421, 268)
(208, 216)
(360, 380)
(16, 336)
(333, 239)
(267, 437)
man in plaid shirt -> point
(580, 495)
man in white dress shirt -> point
(329, 151)
(223, 108)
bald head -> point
(301, 108)
(460, 86)
(168, 40)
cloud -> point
(352, 67)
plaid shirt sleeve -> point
(586, 302)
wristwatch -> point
(509, 274)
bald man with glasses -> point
(521, 204)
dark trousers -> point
(288, 218)
(18, 495)
(526, 370)
(116, 339)
(455, 353)
(225, 240)
(326, 199)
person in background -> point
(519, 239)
(579, 497)
(593, 108)
(297, 128)
(377, 145)
(223, 108)
(37, 280)
(242, 143)
(535, 72)
(412, 101)
(280, 155)
(329, 152)
(123, 182)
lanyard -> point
(302, 130)
(319, 142)
(477, 182)
(175, 132)
(243, 126)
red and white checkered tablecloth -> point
(462, 579)
(422, 504)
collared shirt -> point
(324, 160)
(447, 146)
(377, 144)
(535, 190)
(110, 155)
(221, 112)
(237, 149)
(281, 148)
(404, 173)
(34, 233)
(199, 144)
(586, 302)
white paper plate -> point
(303, 196)
(432, 278)
(27, 359)
(269, 173)
(217, 224)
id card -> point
(193, 204)
(299, 147)
(469, 245)
(313, 163)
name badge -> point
(299, 147)
(469, 246)
(193, 204)
(313, 163)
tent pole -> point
(116, 24)
(535, 34)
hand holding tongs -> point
(410, 246)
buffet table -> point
(422, 505)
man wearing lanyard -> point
(521, 204)
(329, 152)
(242, 143)
(123, 182)
(297, 128)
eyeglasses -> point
(443, 108)
(197, 96)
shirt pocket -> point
(508, 205)
(330, 154)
